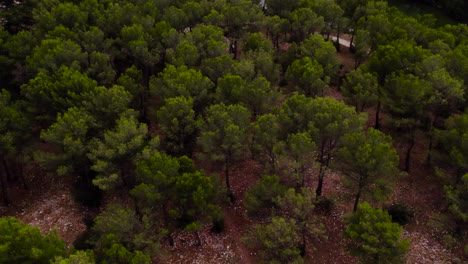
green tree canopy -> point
(374, 237)
(370, 164)
(21, 243)
(223, 135)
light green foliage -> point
(111, 251)
(265, 137)
(374, 237)
(217, 67)
(294, 115)
(156, 176)
(125, 228)
(182, 81)
(370, 164)
(406, 96)
(138, 42)
(77, 257)
(325, 119)
(457, 199)
(278, 241)
(260, 197)
(323, 52)
(360, 89)
(51, 54)
(281, 8)
(256, 42)
(257, 95)
(21, 243)
(177, 122)
(264, 65)
(66, 14)
(300, 207)
(223, 135)
(106, 105)
(132, 81)
(112, 155)
(447, 92)
(454, 142)
(399, 55)
(195, 201)
(175, 17)
(49, 94)
(171, 190)
(100, 68)
(194, 12)
(15, 127)
(329, 10)
(209, 41)
(229, 89)
(185, 53)
(71, 134)
(309, 76)
(296, 156)
(304, 21)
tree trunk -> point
(429, 152)
(338, 47)
(228, 184)
(302, 171)
(21, 173)
(377, 116)
(408, 153)
(166, 224)
(356, 200)
(431, 135)
(318, 191)
(9, 175)
(137, 210)
(352, 40)
(197, 236)
(4, 190)
(304, 243)
(226, 174)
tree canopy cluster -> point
(125, 97)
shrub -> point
(400, 213)
(87, 194)
(260, 196)
(325, 205)
(218, 225)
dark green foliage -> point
(22, 243)
(177, 122)
(50, 94)
(260, 198)
(457, 199)
(170, 190)
(223, 135)
(370, 164)
(278, 241)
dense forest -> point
(293, 131)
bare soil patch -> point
(48, 204)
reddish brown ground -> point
(48, 204)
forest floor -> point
(48, 204)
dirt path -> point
(235, 230)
